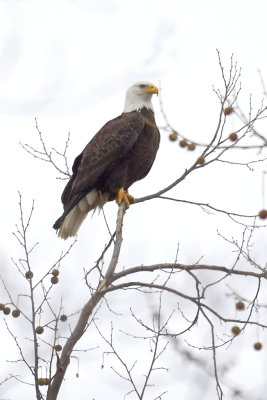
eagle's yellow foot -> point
(123, 196)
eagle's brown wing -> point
(113, 141)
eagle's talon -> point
(124, 196)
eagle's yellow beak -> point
(153, 89)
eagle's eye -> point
(142, 86)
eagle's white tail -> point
(76, 216)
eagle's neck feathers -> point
(133, 103)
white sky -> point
(69, 63)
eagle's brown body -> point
(121, 153)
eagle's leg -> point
(124, 196)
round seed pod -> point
(29, 274)
(2, 306)
(39, 330)
(236, 330)
(183, 143)
(191, 146)
(233, 136)
(201, 160)
(15, 313)
(6, 310)
(263, 214)
(63, 318)
(228, 110)
(58, 347)
(55, 272)
(173, 136)
(257, 346)
(240, 305)
(54, 280)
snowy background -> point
(68, 63)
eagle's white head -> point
(139, 95)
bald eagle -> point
(121, 153)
